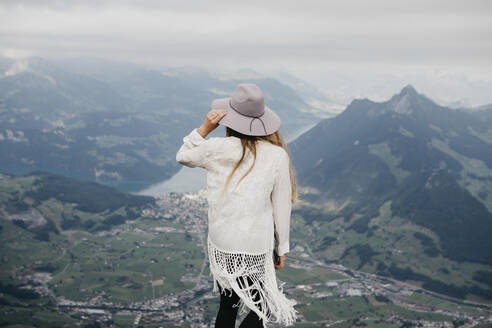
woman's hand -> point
(211, 121)
(279, 265)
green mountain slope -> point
(44, 203)
(402, 185)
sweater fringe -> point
(230, 270)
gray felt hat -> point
(246, 111)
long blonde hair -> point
(250, 142)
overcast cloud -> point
(309, 38)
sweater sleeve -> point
(281, 202)
(195, 151)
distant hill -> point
(404, 183)
(115, 123)
(483, 112)
(44, 203)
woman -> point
(249, 225)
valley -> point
(152, 271)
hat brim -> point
(246, 124)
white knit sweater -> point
(242, 222)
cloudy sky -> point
(364, 40)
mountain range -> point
(403, 188)
(115, 123)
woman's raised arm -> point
(196, 149)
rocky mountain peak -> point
(408, 90)
(405, 102)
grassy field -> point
(122, 266)
(388, 241)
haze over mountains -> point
(401, 187)
(116, 123)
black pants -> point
(226, 318)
